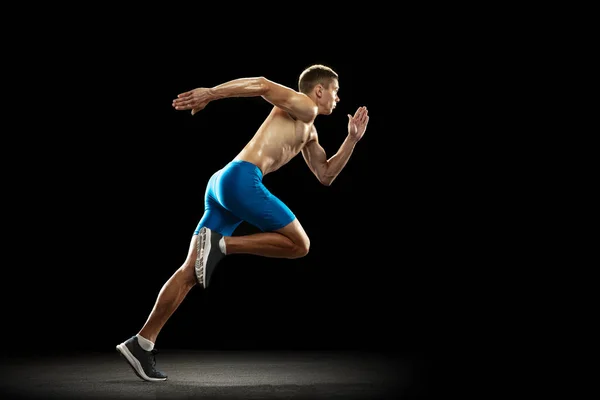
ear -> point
(319, 90)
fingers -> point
(184, 101)
(183, 97)
(185, 94)
(362, 115)
(365, 116)
(182, 105)
(360, 111)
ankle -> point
(145, 344)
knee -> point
(301, 248)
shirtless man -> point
(236, 193)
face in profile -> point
(329, 96)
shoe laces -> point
(152, 357)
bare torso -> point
(279, 139)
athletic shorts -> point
(236, 193)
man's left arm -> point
(326, 170)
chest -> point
(302, 133)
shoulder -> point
(298, 104)
(306, 110)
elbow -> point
(324, 177)
(326, 180)
(264, 85)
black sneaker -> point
(142, 361)
(208, 256)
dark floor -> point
(213, 375)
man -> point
(236, 193)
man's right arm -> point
(296, 103)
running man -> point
(235, 193)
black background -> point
(115, 182)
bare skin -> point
(288, 130)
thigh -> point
(265, 210)
(240, 191)
(216, 216)
(295, 232)
(218, 219)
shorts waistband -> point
(248, 164)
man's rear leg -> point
(291, 241)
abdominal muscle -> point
(279, 139)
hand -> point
(194, 100)
(358, 124)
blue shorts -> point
(236, 193)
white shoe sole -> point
(135, 364)
(203, 250)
